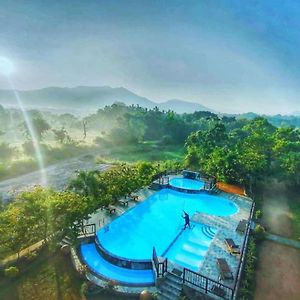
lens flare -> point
(6, 69)
(6, 66)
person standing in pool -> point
(187, 220)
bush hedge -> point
(248, 279)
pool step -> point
(188, 260)
(189, 247)
(184, 254)
(208, 232)
(103, 269)
(198, 242)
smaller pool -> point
(187, 184)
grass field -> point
(146, 151)
(149, 151)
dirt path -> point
(57, 175)
(278, 272)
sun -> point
(6, 66)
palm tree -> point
(86, 184)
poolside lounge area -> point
(226, 230)
(218, 250)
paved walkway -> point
(282, 240)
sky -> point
(231, 56)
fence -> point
(161, 267)
(243, 254)
(209, 286)
(88, 229)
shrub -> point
(258, 214)
(11, 272)
(31, 255)
(84, 289)
(248, 279)
(259, 233)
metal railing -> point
(243, 253)
(161, 267)
(88, 229)
(209, 286)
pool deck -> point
(226, 229)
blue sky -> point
(232, 56)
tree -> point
(61, 135)
(35, 208)
(145, 172)
(25, 221)
(84, 128)
(202, 143)
(86, 184)
(13, 229)
(68, 210)
(290, 163)
(6, 152)
(39, 127)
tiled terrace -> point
(226, 229)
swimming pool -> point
(191, 246)
(157, 222)
(108, 271)
(187, 184)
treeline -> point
(276, 120)
(246, 152)
(233, 149)
(64, 136)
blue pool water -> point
(190, 248)
(109, 271)
(156, 222)
(188, 184)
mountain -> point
(84, 99)
(181, 106)
(248, 115)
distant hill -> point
(248, 115)
(295, 113)
(85, 99)
(276, 120)
(183, 106)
